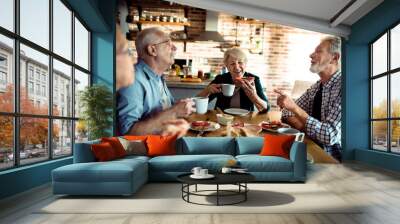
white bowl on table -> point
(224, 118)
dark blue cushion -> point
(83, 152)
(206, 145)
(257, 163)
(249, 145)
(185, 163)
(111, 171)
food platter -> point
(204, 126)
(273, 126)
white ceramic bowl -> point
(224, 118)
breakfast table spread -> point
(250, 124)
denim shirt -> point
(142, 99)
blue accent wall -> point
(99, 16)
(356, 74)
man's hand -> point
(178, 127)
(183, 108)
(284, 101)
(214, 88)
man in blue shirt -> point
(145, 106)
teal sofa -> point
(125, 176)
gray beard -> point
(315, 68)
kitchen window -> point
(43, 45)
(384, 92)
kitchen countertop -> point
(188, 85)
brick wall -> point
(279, 58)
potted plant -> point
(96, 102)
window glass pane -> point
(395, 95)
(33, 139)
(379, 98)
(34, 97)
(6, 74)
(6, 142)
(81, 131)
(62, 89)
(35, 21)
(379, 135)
(81, 45)
(395, 138)
(379, 55)
(62, 29)
(7, 14)
(62, 141)
(81, 81)
(395, 47)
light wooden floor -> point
(379, 189)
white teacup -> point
(228, 89)
(224, 118)
(203, 172)
(226, 170)
(197, 170)
(201, 104)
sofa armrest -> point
(83, 152)
(298, 155)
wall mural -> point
(208, 74)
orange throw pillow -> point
(135, 137)
(158, 145)
(277, 145)
(116, 145)
(103, 152)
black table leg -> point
(217, 194)
(245, 193)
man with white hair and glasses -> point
(318, 111)
(146, 105)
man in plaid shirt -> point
(318, 111)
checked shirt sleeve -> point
(329, 131)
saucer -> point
(208, 176)
(236, 111)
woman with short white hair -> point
(248, 91)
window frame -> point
(16, 114)
(388, 74)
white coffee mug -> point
(196, 170)
(201, 104)
(203, 172)
(226, 170)
(228, 89)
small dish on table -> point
(204, 126)
(237, 111)
(273, 126)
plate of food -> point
(236, 111)
(204, 126)
(273, 126)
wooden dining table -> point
(249, 126)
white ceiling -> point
(315, 15)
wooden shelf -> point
(163, 23)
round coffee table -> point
(238, 179)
